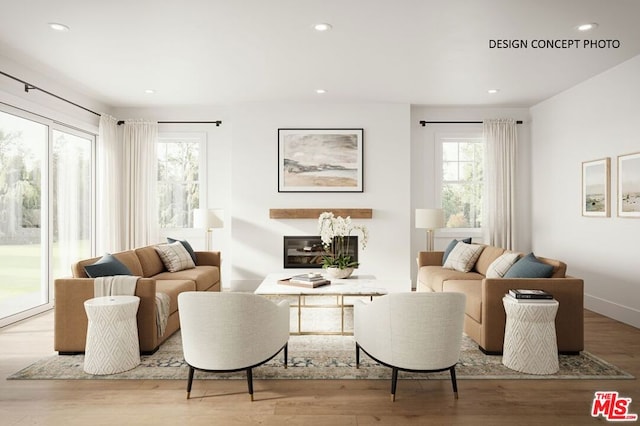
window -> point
(46, 215)
(462, 177)
(180, 177)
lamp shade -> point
(429, 218)
(208, 218)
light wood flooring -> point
(309, 403)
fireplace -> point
(306, 251)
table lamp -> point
(429, 219)
(208, 219)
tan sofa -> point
(70, 329)
(484, 312)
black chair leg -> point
(394, 383)
(357, 355)
(190, 381)
(286, 354)
(250, 382)
(452, 371)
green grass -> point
(21, 268)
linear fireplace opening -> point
(305, 251)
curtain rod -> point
(217, 122)
(424, 123)
(29, 86)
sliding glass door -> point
(45, 209)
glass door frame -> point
(46, 233)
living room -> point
(584, 115)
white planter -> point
(338, 273)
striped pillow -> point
(501, 265)
(463, 257)
(175, 257)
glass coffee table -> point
(354, 286)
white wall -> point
(423, 164)
(596, 119)
(257, 240)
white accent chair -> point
(417, 332)
(227, 332)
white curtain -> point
(69, 220)
(126, 194)
(110, 183)
(501, 137)
(140, 174)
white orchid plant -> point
(334, 232)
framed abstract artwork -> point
(595, 188)
(320, 160)
(629, 185)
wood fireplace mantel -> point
(315, 213)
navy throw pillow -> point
(107, 266)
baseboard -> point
(613, 310)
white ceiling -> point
(217, 52)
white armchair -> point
(227, 332)
(418, 332)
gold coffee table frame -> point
(354, 287)
(302, 303)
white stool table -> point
(530, 344)
(112, 334)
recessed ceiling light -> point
(587, 27)
(322, 27)
(149, 91)
(493, 91)
(320, 91)
(58, 26)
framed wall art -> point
(595, 188)
(320, 160)
(629, 185)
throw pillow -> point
(186, 245)
(450, 247)
(501, 265)
(463, 257)
(107, 266)
(175, 257)
(529, 267)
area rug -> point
(318, 357)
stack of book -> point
(310, 280)
(527, 296)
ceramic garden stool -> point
(112, 335)
(530, 344)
